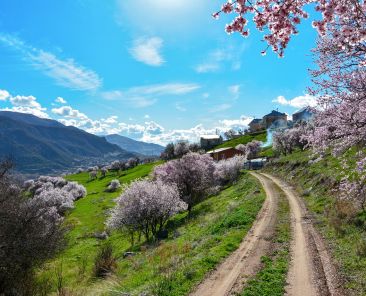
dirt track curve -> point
(230, 275)
(311, 270)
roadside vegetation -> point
(271, 279)
(338, 220)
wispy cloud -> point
(297, 102)
(65, 72)
(219, 59)
(179, 107)
(148, 51)
(234, 90)
(220, 108)
(144, 96)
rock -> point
(307, 191)
(128, 254)
(101, 235)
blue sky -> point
(155, 70)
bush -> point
(227, 171)
(114, 185)
(105, 263)
(30, 232)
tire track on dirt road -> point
(311, 271)
(229, 277)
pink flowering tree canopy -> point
(278, 20)
(144, 208)
(193, 174)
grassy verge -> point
(259, 136)
(173, 266)
(345, 236)
(271, 279)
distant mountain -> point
(44, 146)
(128, 144)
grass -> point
(271, 279)
(196, 244)
(259, 136)
(315, 181)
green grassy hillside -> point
(343, 228)
(260, 136)
(173, 266)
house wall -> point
(225, 154)
(256, 127)
(269, 120)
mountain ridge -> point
(44, 146)
(148, 149)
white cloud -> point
(28, 110)
(65, 72)
(148, 51)
(69, 112)
(24, 104)
(4, 95)
(60, 100)
(297, 102)
(144, 96)
(111, 119)
(147, 116)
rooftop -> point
(255, 120)
(275, 113)
(210, 137)
(219, 150)
(304, 109)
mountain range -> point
(128, 144)
(45, 146)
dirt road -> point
(311, 270)
(229, 276)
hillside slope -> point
(40, 146)
(196, 243)
(260, 136)
(128, 144)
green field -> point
(260, 136)
(344, 230)
(196, 244)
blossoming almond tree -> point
(144, 207)
(279, 20)
(193, 174)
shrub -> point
(93, 175)
(30, 233)
(228, 170)
(105, 263)
(114, 185)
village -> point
(269, 123)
